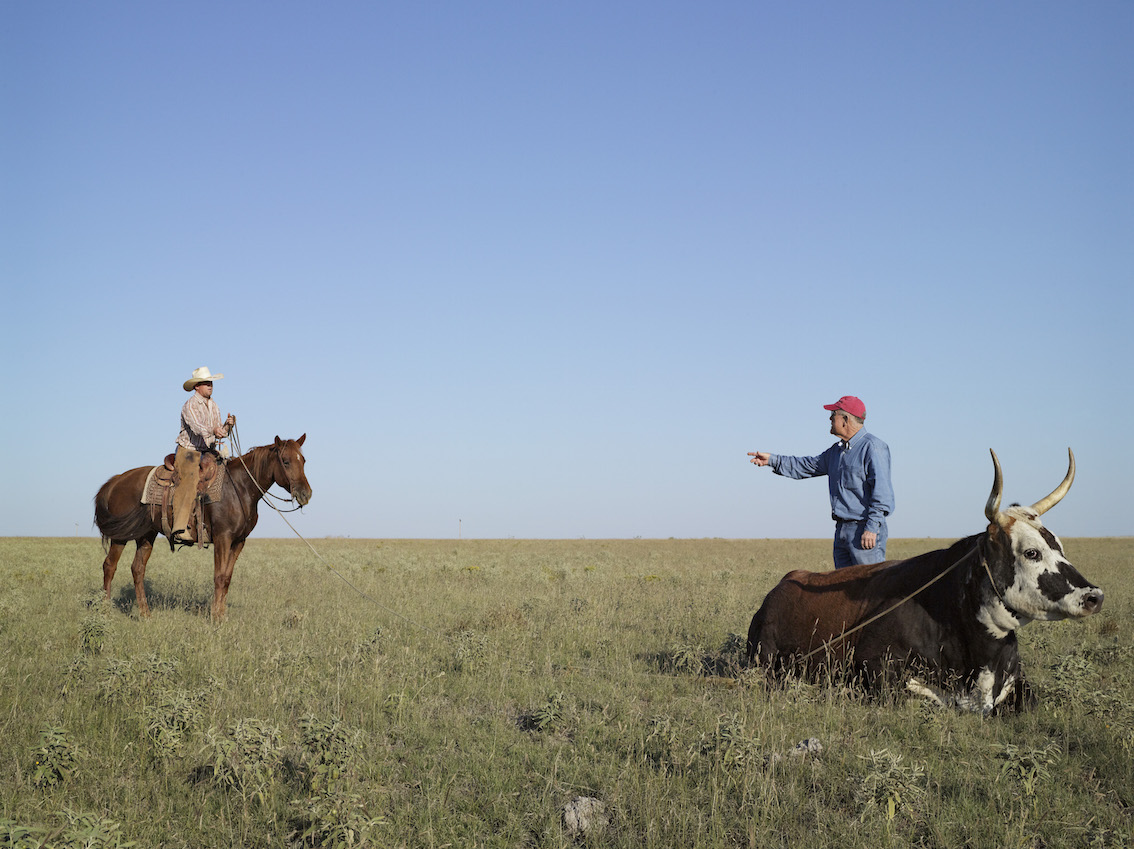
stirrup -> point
(178, 538)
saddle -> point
(210, 468)
(158, 493)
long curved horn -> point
(992, 508)
(1045, 504)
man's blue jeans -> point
(848, 548)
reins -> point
(827, 645)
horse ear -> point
(278, 441)
(300, 440)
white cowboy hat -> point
(201, 375)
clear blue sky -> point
(552, 269)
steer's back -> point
(806, 610)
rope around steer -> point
(892, 607)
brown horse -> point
(121, 517)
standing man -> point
(858, 478)
(201, 427)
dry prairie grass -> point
(462, 693)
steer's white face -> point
(1040, 583)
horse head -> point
(288, 471)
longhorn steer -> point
(947, 618)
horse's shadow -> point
(176, 598)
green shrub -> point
(56, 758)
(246, 756)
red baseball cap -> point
(848, 404)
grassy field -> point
(466, 694)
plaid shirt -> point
(199, 417)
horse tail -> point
(134, 524)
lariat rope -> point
(827, 645)
(267, 500)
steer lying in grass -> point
(944, 621)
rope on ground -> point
(418, 625)
(826, 646)
(318, 556)
(344, 579)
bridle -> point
(267, 496)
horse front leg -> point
(145, 547)
(224, 560)
(110, 565)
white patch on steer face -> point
(1039, 589)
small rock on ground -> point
(584, 814)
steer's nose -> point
(1092, 601)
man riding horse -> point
(201, 427)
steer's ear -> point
(999, 541)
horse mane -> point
(251, 461)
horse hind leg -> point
(145, 547)
(110, 565)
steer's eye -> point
(1032, 554)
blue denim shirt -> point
(858, 477)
